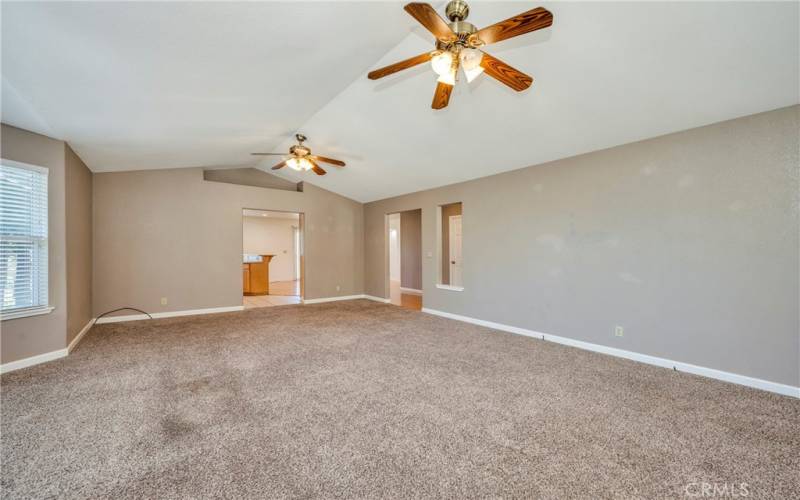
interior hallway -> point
(407, 300)
(404, 238)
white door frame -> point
(395, 251)
(456, 261)
(296, 252)
(301, 231)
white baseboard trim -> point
(377, 299)
(33, 360)
(332, 299)
(786, 390)
(48, 356)
(80, 335)
(169, 314)
(345, 297)
(410, 291)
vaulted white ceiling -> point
(143, 85)
(138, 86)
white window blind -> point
(23, 238)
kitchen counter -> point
(255, 276)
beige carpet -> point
(363, 400)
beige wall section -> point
(411, 249)
(689, 241)
(272, 236)
(248, 177)
(169, 233)
(78, 199)
(25, 337)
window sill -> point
(24, 313)
(450, 287)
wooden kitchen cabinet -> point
(255, 276)
(246, 278)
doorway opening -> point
(273, 271)
(449, 237)
(404, 270)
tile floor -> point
(281, 293)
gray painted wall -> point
(25, 337)
(169, 233)
(689, 241)
(78, 199)
(411, 249)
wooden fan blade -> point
(268, 154)
(427, 16)
(316, 168)
(442, 95)
(338, 163)
(504, 73)
(399, 66)
(279, 165)
(526, 22)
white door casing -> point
(454, 244)
(394, 248)
(296, 251)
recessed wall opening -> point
(272, 258)
(449, 246)
(404, 253)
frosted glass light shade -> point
(442, 62)
(448, 78)
(471, 59)
(472, 73)
(299, 164)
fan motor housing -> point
(463, 29)
(299, 150)
(464, 38)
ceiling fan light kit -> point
(299, 164)
(301, 159)
(458, 47)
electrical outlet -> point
(619, 331)
(338, 288)
(430, 254)
(163, 301)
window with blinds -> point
(23, 239)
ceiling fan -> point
(301, 159)
(457, 46)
